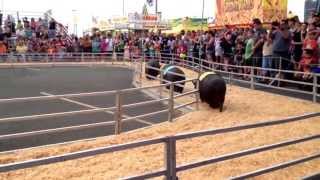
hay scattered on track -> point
(242, 106)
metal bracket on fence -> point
(252, 78)
(170, 157)
(171, 103)
(118, 113)
(315, 88)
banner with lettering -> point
(230, 12)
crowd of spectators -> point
(289, 44)
(32, 35)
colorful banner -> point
(230, 12)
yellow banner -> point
(230, 12)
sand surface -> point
(242, 106)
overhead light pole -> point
(123, 8)
(156, 6)
(202, 17)
(75, 22)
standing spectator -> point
(86, 44)
(21, 49)
(218, 49)
(157, 47)
(127, 51)
(259, 34)
(76, 45)
(196, 49)
(189, 46)
(210, 49)
(3, 51)
(239, 51)
(267, 56)
(109, 41)
(182, 50)
(33, 24)
(227, 46)
(310, 55)
(104, 45)
(297, 38)
(52, 28)
(281, 38)
(95, 44)
(249, 51)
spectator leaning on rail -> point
(281, 38)
(259, 38)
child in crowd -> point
(127, 51)
(310, 55)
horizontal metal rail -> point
(145, 115)
(314, 176)
(247, 126)
(56, 130)
(276, 167)
(60, 114)
(186, 94)
(53, 97)
(185, 105)
(282, 88)
(245, 153)
(144, 103)
(147, 175)
(77, 155)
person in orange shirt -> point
(3, 51)
(3, 48)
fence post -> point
(172, 58)
(160, 89)
(47, 58)
(315, 88)
(198, 95)
(141, 70)
(171, 103)
(193, 62)
(170, 158)
(201, 64)
(118, 113)
(82, 57)
(279, 72)
(252, 78)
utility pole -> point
(123, 8)
(202, 15)
(75, 22)
(157, 15)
